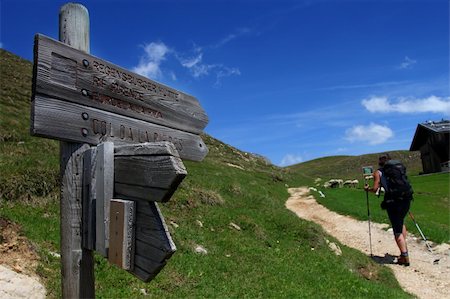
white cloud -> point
(149, 65)
(157, 52)
(372, 134)
(191, 62)
(225, 72)
(290, 159)
(431, 104)
(1, 45)
(407, 63)
(198, 69)
(239, 32)
(195, 65)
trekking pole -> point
(367, 173)
(368, 216)
(421, 233)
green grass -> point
(430, 206)
(270, 257)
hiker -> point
(397, 198)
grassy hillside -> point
(350, 167)
(268, 252)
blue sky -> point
(290, 80)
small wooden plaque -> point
(121, 233)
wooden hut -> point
(432, 140)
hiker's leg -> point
(395, 216)
(401, 242)
(404, 233)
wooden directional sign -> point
(81, 98)
(129, 230)
(148, 171)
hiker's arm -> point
(376, 183)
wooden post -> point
(77, 264)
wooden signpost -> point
(122, 140)
(81, 98)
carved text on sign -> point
(127, 133)
(128, 78)
(104, 99)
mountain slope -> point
(350, 167)
(232, 204)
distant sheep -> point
(334, 183)
(348, 183)
(351, 183)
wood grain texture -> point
(74, 27)
(89, 199)
(77, 263)
(153, 245)
(163, 172)
(121, 250)
(149, 171)
(51, 117)
(162, 148)
(104, 193)
(143, 193)
(63, 72)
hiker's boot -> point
(403, 260)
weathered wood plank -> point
(51, 118)
(89, 199)
(148, 265)
(165, 172)
(121, 249)
(104, 169)
(162, 148)
(76, 262)
(148, 171)
(71, 75)
(144, 193)
(143, 274)
(146, 208)
(152, 252)
(154, 245)
(116, 229)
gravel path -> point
(423, 278)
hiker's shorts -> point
(397, 211)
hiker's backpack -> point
(396, 182)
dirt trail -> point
(18, 261)
(423, 278)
